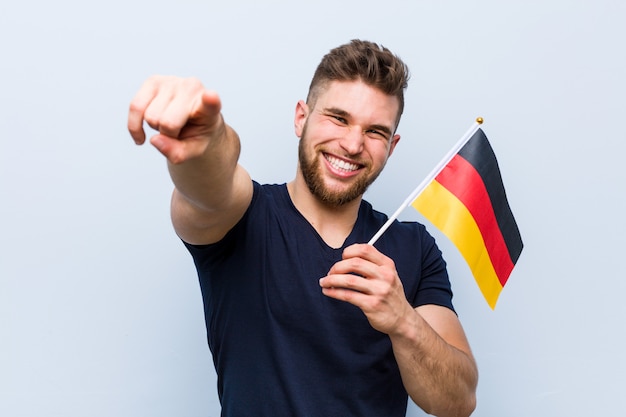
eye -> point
(340, 119)
(377, 133)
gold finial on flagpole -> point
(479, 120)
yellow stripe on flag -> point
(446, 212)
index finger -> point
(367, 252)
(361, 259)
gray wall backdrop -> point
(100, 310)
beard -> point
(310, 167)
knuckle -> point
(168, 126)
(384, 290)
(351, 280)
(151, 118)
(177, 158)
(355, 263)
(135, 106)
(191, 84)
(373, 304)
(348, 295)
(389, 276)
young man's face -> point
(345, 140)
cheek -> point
(379, 151)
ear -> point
(302, 113)
(394, 141)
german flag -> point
(467, 202)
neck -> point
(333, 224)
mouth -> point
(341, 165)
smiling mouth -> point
(340, 164)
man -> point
(302, 318)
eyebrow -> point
(340, 112)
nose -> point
(353, 141)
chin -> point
(339, 196)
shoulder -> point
(268, 197)
(266, 200)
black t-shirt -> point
(282, 348)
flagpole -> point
(418, 190)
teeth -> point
(340, 164)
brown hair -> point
(366, 61)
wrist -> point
(407, 326)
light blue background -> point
(100, 310)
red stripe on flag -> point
(462, 180)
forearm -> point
(208, 180)
(212, 191)
(439, 377)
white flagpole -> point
(455, 149)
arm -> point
(435, 361)
(212, 191)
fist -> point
(185, 115)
